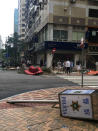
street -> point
(12, 83)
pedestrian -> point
(53, 65)
(28, 63)
(41, 62)
(64, 66)
(71, 66)
(68, 66)
(59, 65)
(79, 68)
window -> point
(23, 19)
(45, 1)
(23, 30)
(23, 14)
(46, 33)
(93, 35)
(22, 35)
(64, 35)
(56, 34)
(93, 49)
(60, 35)
(23, 9)
(76, 36)
(93, 13)
(23, 25)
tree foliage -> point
(13, 48)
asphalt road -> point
(12, 83)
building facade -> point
(61, 25)
(16, 20)
(21, 19)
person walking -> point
(53, 65)
(28, 63)
(68, 66)
(64, 66)
(71, 66)
(79, 68)
(59, 65)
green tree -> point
(12, 47)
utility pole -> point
(7, 56)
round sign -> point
(53, 50)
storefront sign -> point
(63, 45)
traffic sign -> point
(53, 50)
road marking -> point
(91, 81)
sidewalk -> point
(39, 117)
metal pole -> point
(7, 56)
(32, 101)
(82, 67)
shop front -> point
(64, 51)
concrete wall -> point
(50, 32)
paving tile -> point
(39, 117)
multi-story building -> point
(61, 25)
(21, 19)
(16, 20)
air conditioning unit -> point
(73, 1)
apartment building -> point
(21, 19)
(61, 25)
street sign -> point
(53, 50)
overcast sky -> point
(7, 17)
